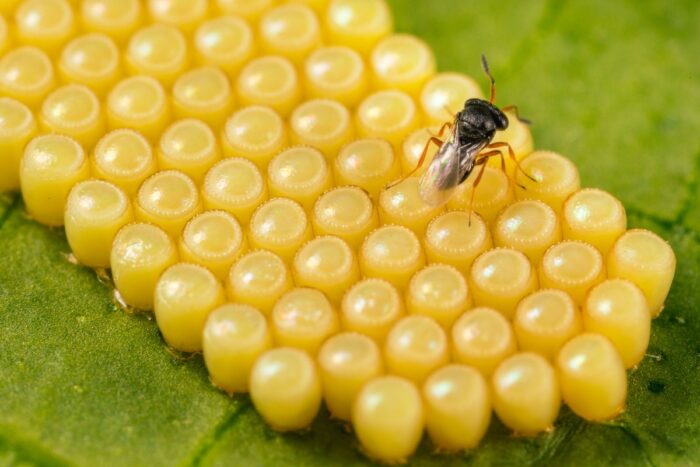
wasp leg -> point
(484, 156)
(435, 140)
(511, 153)
(482, 163)
(490, 154)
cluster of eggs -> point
(228, 163)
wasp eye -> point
(502, 121)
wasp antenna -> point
(514, 108)
(485, 66)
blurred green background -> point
(611, 84)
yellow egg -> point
(183, 14)
(47, 24)
(403, 62)
(303, 318)
(482, 338)
(251, 10)
(17, 128)
(456, 238)
(647, 260)
(440, 292)
(203, 93)
(300, 173)
(556, 177)
(592, 377)
(402, 204)
(445, 94)
(92, 60)
(124, 158)
(168, 199)
(388, 418)
(26, 74)
(388, 114)
(291, 30)
(285, 388)
(259, 279)
(371, 307)
(617, 309)
(393, 253)
(346, 362)
(256, 133)
(367, 163)
(5, 38)
(457, 407)
(572, 266)
(116, 18)
(234, 337)
(338, 73)
(500, 278)
(412, 150)
(73, 110)
(184, 296)
(318, 5)
(95, 211)
(50, 166)
(236, 186)
(226, 42)
(492, 195)
(213, 239)
(7, 6)
(189, 146)
(526, 394)
(358, 23)
(281, 226)
(530, 226)
(346, 212)
(140, 254)
(324, 124)
(139, 103)
(328, 264)
(415, 347)
(159, 51)
(545, 320)
(518, 136)
(594, 216)
(270, 80)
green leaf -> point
(610, 84)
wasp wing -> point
(449, 167)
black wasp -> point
(460, 153)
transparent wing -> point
(442, 177)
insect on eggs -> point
(235, 163)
